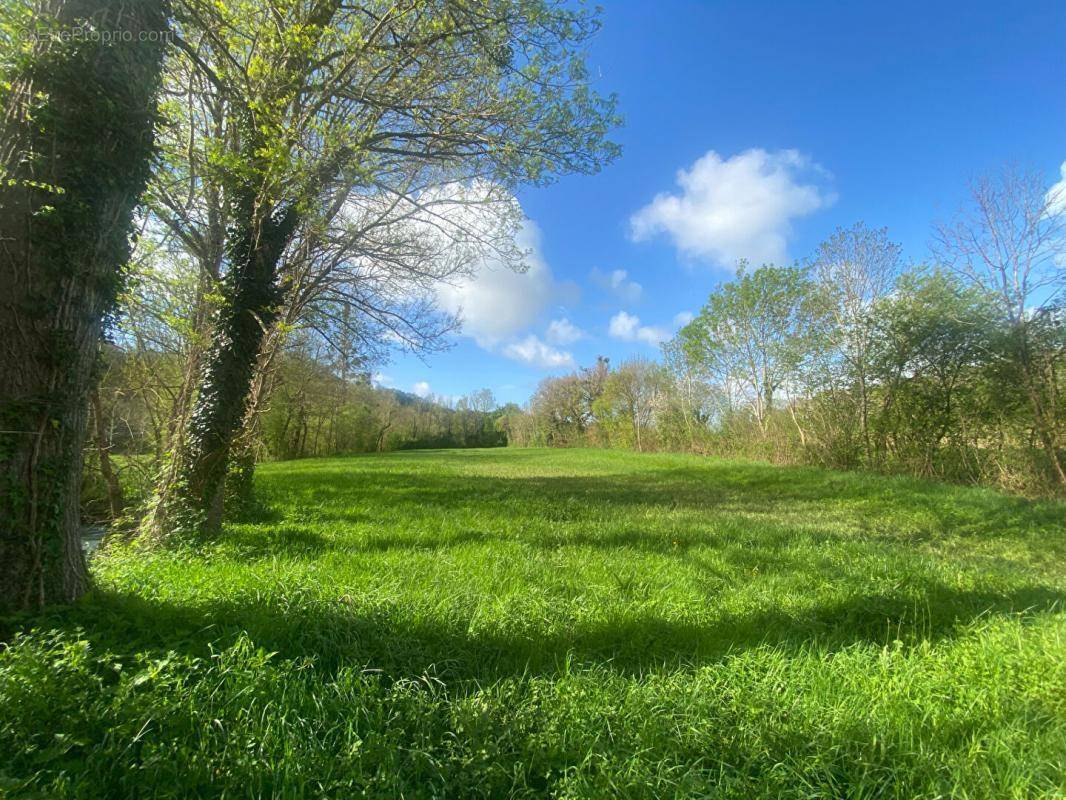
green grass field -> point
(513, 623)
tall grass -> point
(521, 623)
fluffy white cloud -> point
(563, 331)
(469, 247)
(380, 379)
(421, 389)
(627, 327)
(497, 302)
(683, 318)
(736, 208)
(623, 325)
(536, 353)
(617, 282)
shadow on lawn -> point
(296, 541)
(751, 489)
(403, 642)
(337, 634)
(712, 506)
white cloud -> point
(497, 302)
(471, 251)
(380, 379)
(736, 208)
(563, 331)
(481, 257)
(1056, 196)
(618, 284)
(536, 353)
(421, 389)
(623, 326)
(683, 318)
(627, 327)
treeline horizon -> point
(849, 360)
(852, 360)
(313, 412)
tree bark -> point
(196, 499)
(75, 149)
(239, 477)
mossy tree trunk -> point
(75, 155)
(253, 300)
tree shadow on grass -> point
(775, 544)
(751, 489)
(401, 643)
(720, 505)
(295, 541)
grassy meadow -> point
(565, 623)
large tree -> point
(78, 97)
(856, 268)
(384, 105)
(631, 395)
(758, 332)
(1009, 241)
(933, 336)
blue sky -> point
(787, 119)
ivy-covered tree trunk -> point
(252, 301)
(245, 448)
(75, 155)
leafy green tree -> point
(856, 267)
(757, 334)
(935, 336)
(1009, 242)
(631, 395)
(78, 89)
(561, 415)
(516, 425)
(694, 400)
(328, 102)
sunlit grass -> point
(565, 623)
